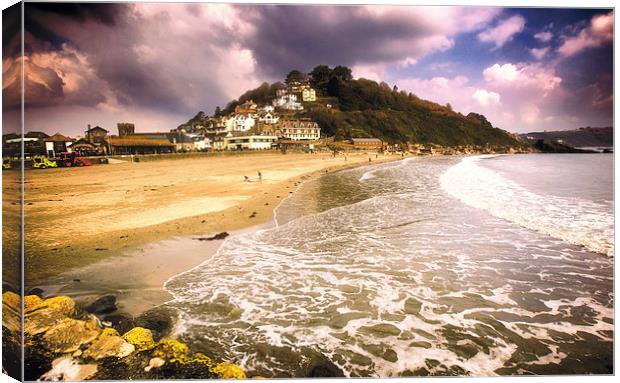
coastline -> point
(148, 268)
(134, 266)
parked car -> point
(6, 163)
(71, 159)
(40, 162)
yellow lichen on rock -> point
(92, 323)
(202, 359)
(107, 346)
(173, 350)
(108, 331)
(229, 371)
(31, 303)
(60, 304)
(12, 300)
(11, 319)
(140, 337)
(48, 313)
(68, 335)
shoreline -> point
(144, 261)
(187, 253)
(137, 278)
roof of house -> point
(97, 128)
(361, 140)
(82, 141)
(10, 136)
(150, 134)
(253, 136)
(139, 141)
(295, 142)
(180, 138)
(36, 135)
(58, 138)
(298, 123)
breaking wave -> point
(384, 274)
(573, 220)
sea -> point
(442, 265)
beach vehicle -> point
(71, 159)
(6, 164)
(40, 162)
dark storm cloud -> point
(11, 47)
(105, 13)
(305, 36)
(180, 58)
(11, 28)
(99, 32)
(161, 61)
(35, 15)
(122, 56)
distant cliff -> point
(582, 137)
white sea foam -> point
(376, 169)
(400, 257)
(573, 220)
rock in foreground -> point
(62, 345)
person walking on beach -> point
(260, 176)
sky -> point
(158, 64)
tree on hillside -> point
(217, 112)
(333, 87)
(295, 76)
(343, 73)
(319, 77)
(480, 118)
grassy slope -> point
(364, 108)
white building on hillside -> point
(288, 102)
(266, 109)
(269, 118)
(308, 95)
(243, 123)
(201, 143)
(219, 125)
(250, 142)
(299, 129)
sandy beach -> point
(76, 217)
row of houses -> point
(42, 144)
(253, 126)
(246, 116)
(250, 127)
(290, 96)
(97, 141)
(249, 114)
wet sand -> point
(99, 224)
(137, 278)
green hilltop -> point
(347, 108)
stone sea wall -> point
(65, 342)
